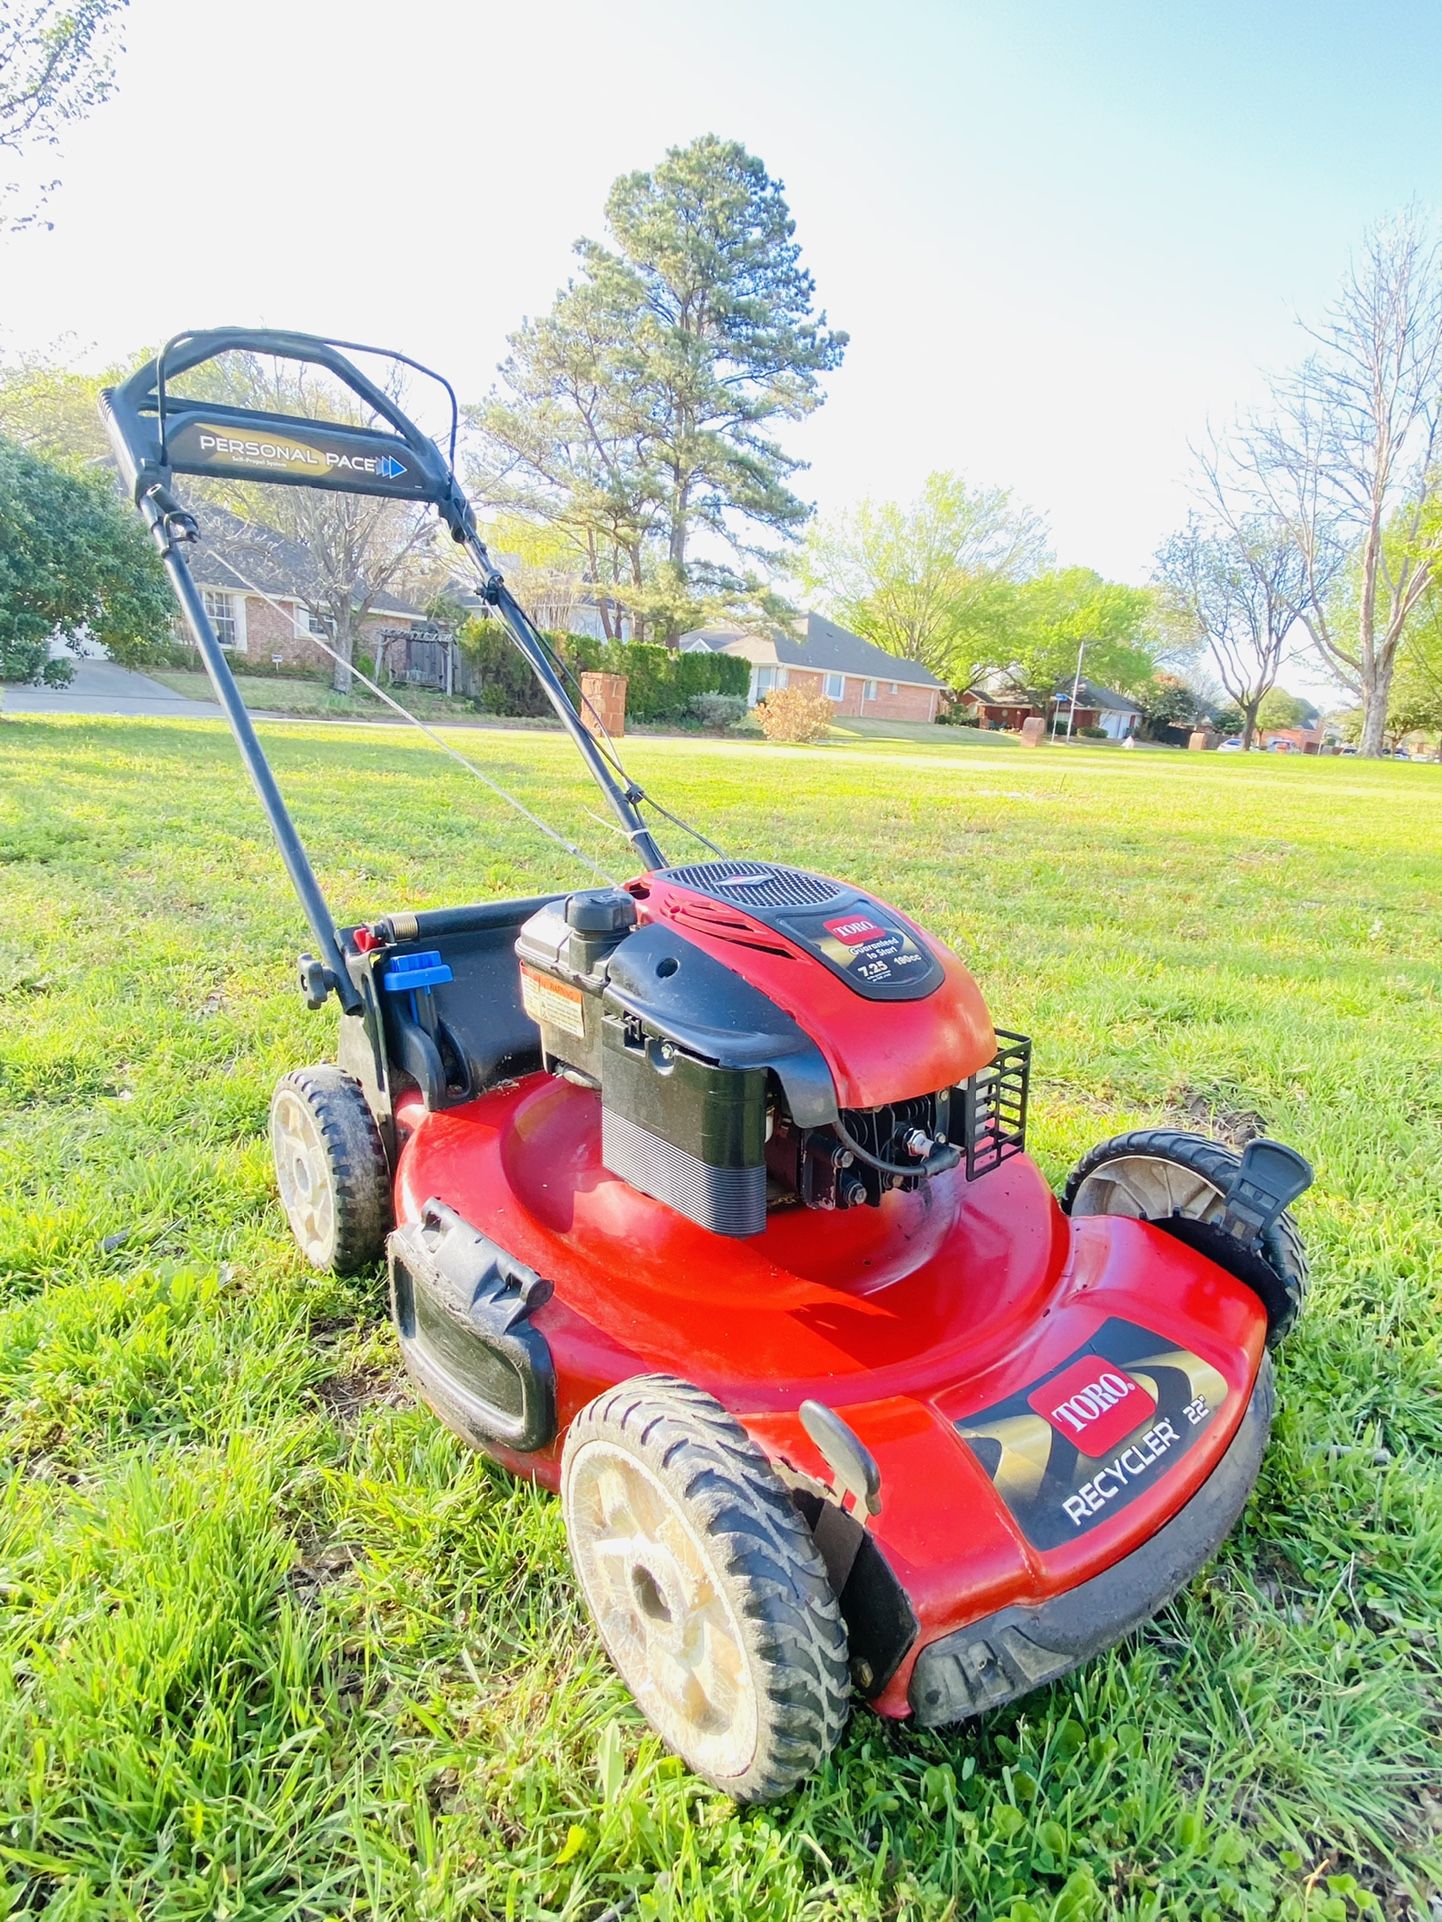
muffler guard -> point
(462, 1308)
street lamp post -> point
(1075, 689)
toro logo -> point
(1093, 1404)
(854, 929)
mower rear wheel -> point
(706, 1586)
(330, 1168)
(1156, 1174)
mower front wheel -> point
(330, 1168)
(706, 1586)
(1166, 1174)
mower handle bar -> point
(156, 434)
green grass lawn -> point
(299, 694)
(273, 1644)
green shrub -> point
(75, 565)
(661, 682)
(719, 711)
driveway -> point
(103, 687)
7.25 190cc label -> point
(871, 948)
(1076, 1447)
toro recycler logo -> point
(1093, 1404)
(1068, 1452)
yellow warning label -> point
(553, 1004)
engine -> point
(762, 1037)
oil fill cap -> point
(601, 911)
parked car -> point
(1230, 747)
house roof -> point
(232, 553)
(1089, 694)
(820, 645)
(997, 691)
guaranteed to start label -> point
(1082, 1443)
(873, 951)
(553, 1004)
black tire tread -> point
(1215, 1162)
(780, 1589)
(360, 1175)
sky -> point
(1062, 237)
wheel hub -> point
(1149, 1188)
(652, 1582)
(300, 1173)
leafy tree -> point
(1281, 709)
(74, 563)
(54, 410)
(638, 416)
(1241, 581)
(1166, 702)
(931, 581)
(541, 567)
(57, 61)
(1416, 703)
(1351, 460)
(1050, 618)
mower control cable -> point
(492, 584)
(430, 734)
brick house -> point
(998, 705)
(861, 680)
(1301, 740)
(231, 553)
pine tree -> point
(640, 414)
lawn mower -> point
(704, 1201)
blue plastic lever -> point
(409, 971)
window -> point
(892, 688)
(763, 679)
(835, 686)
(868, 692)
(221, 609)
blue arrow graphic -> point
(389, 467)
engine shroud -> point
(765, 1037)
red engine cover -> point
(877, 1051)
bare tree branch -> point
(1348, 461)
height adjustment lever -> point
(1269, 1178)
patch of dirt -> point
(344, 1396)
(1190, 1108)
(318, 1568)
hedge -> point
(661, 681)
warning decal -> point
(552, 1004)
(1071, 1450)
